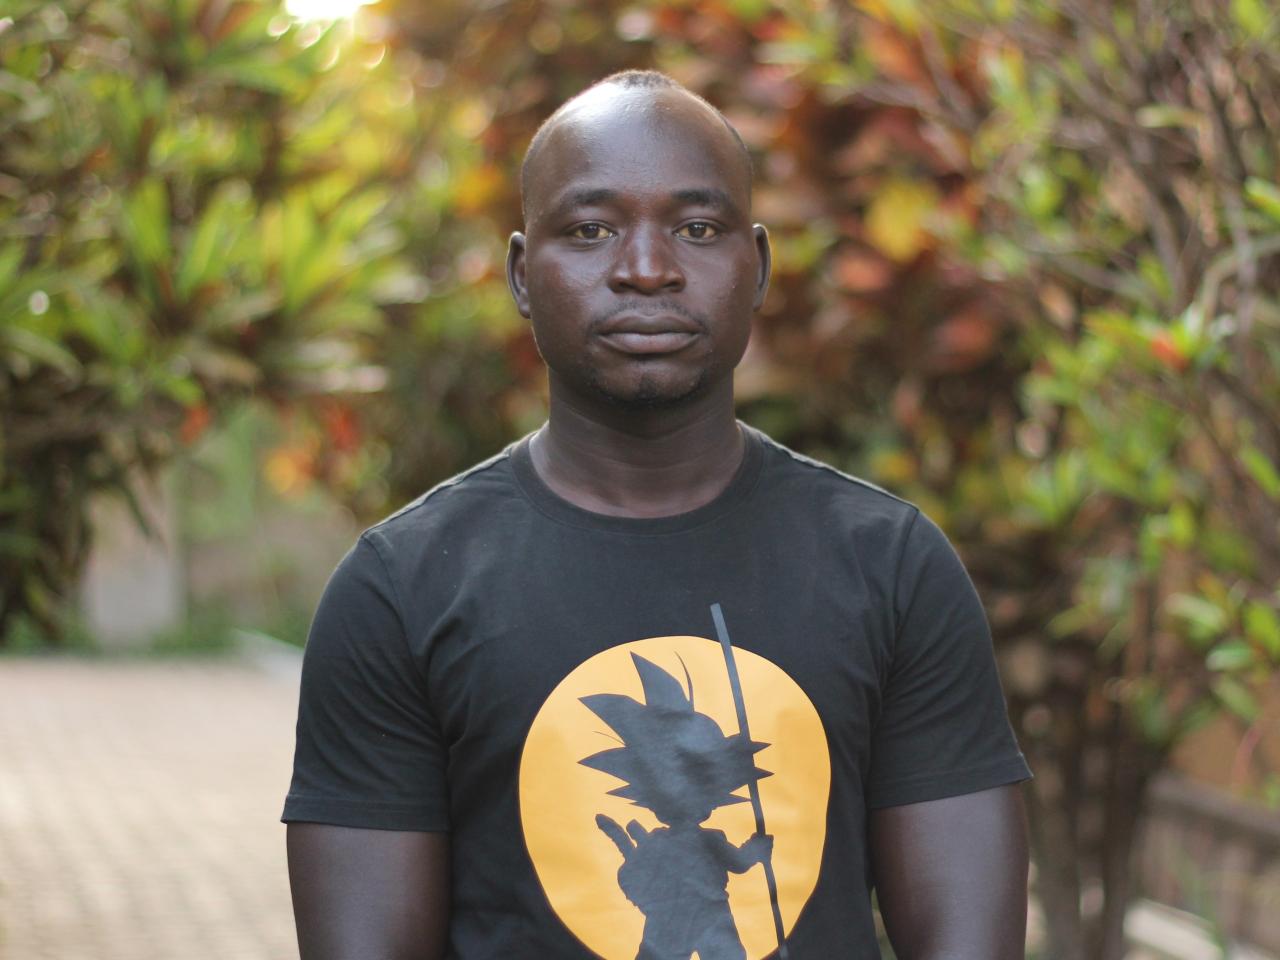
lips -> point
(649, 334)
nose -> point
(646, 262)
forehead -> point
(636, 143)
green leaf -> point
(146, 222)
(1152, 713)
(750, 10)
(222, 366)
(308, 255)
(790, 53)
(1263, 195)
(1231, 656)
(1055, 489)
(1251, 16)
(1153, 538)
(1204, 618)
(36, 104)
(1235, 696)
(109, 323)
(10, 258)
(213, 236)
(14, 498)
(182, 389)
(1195, 717)
(42, 348)
(1262, 625)
(239, 312)
(1182, 524)
(130, 500)
(1042, 191)
(1262, 470)
(1073, 620)
(1158, 115)
(254, 74)
(21, 545)
(1271, 791)
(345, 316)
(248, 38)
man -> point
(646, 683)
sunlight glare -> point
(323, 9)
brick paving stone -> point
(139, 810)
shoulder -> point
(840, 501)
(476, 496)
(460, 526)
(392, 552)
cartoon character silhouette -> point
(678, 764)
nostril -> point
(647, 267)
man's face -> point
(640, 269)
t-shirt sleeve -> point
(369, 751)
(943, 727)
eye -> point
(698, 230)
(590, 231)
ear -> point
(515, 273)
(765, 257)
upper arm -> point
(946, 824)
(370, 753)
(380, 894)
(368, 806)
(942, 727)
(951, 876)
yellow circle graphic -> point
(573, 824)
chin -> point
(649, 393)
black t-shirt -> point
(551, 686)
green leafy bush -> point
(1128, 159)
(194, 205)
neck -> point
(645, 462)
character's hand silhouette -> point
(759, 848)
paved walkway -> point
(139, 810)
(139, 806)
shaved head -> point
(638, 93)
(639, 267)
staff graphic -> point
(678, 764)
(752, 786)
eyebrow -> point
(587, 198)
(707, 197)
(712, 197)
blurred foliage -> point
(1027, 275)
(193, 205)
(1127, 154)
(259, 537)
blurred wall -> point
(133, 586)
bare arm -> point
(369, 894)
(951, 876)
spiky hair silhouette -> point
(674, 761)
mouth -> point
(649, 335)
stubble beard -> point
(647, 394)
